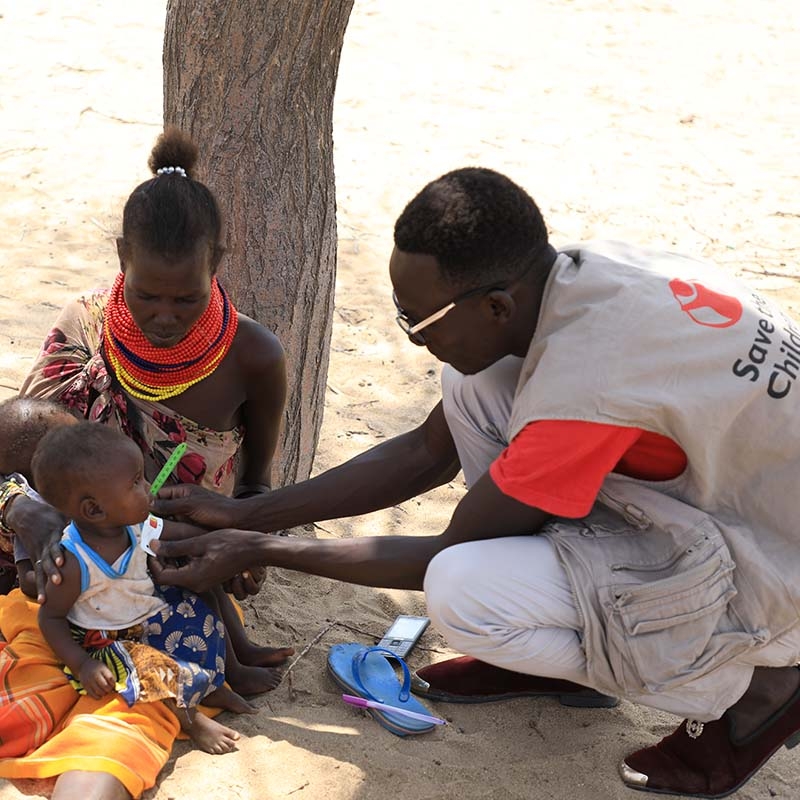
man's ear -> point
(501, 305)
(124, 253)
(91, 510)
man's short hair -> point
(478, 224)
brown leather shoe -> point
(467, 680)
(706, 760)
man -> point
(635, 409)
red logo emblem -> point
(705, 306)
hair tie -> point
(169, 170)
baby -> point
(110, 625)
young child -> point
(23, 423)
(113, 629)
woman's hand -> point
(39, 527)
(192, 503)
(246, 583)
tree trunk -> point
(253, 83)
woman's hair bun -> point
(173, 148)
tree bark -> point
(253, 83)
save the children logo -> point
(705, 306)
(773, 356)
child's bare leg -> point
(247, 653)
(247, 680)
(212, 737)
(226, 698)
(243, 678)
(208, 734)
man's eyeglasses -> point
(414, 329)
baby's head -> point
(23, 423)
(92, 474)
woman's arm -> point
(10, 489)
(263, 366)
(71, 347)
(39, 527)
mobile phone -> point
(403, 634)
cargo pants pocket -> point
(663, 632)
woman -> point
(165, 357)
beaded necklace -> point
(158, 373)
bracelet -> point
(9, 489)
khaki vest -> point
(678, 577)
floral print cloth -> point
(71, 370)
(177, 653)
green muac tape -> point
(166, 470)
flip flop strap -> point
(360, 657)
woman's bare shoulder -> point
(257, 347)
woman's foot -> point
(247, 680)
(254, 655)
(210, 736)
(226, 698)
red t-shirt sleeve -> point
(559, 465)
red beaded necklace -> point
(158, 373)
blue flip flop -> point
(365, 672)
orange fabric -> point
(46, 728)
(559, 465)
(34, 693)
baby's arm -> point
(180, 530)
(171, 531)
(241, 586)
(96, 677)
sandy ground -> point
(666, 123)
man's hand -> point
(39, 527)
(192, 503)
(97, 678)
(210, 559)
